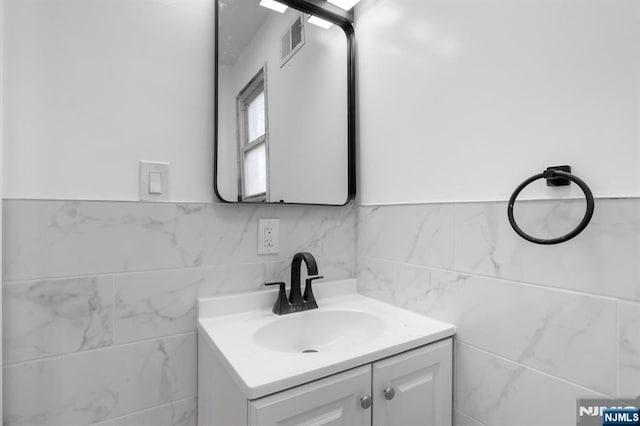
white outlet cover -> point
(158, 190)
(264, 245)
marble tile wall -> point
(538, 326)
(99, 299)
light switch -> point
(154, 181)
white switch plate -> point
(158, 190)
(268, 236)
(155, 183)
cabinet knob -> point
(389, 393)
(366, 401)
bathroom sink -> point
(319, 331)
(265, 353)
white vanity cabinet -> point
(354, 361)
(413, 388)
(331, 401)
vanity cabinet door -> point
(418, 387)
(333, 401)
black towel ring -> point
(556, 176)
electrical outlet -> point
(268, 236)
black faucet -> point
(297, 302)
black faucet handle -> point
(308, 297)
(282, 304)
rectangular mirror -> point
(285, 130)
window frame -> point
(257, 85)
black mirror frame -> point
(341, 19)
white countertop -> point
(228, 324)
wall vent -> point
(292, 40)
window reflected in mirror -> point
(282, 112)
(253, 140)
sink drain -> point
(309, 351)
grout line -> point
(455, 239)
(137, 272)
(102, 274)
(93, 200)
(507, 280)
(144, 410)
(113, 319)
(618, 349)
(69, 200)
(151, 271)
(469, 416)
(500, 200)
(215, 203)
(205, 233)
(454, 371)
(101, 349)
(528, 367)
(355, 213)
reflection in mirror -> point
(282, 105)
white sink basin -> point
(319, 331)
(265, 353)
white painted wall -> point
(307, 137)
(94, 86)
(462, 100)
(227, 136)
